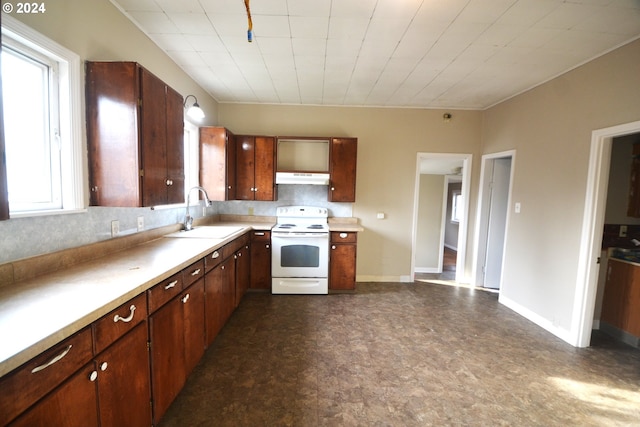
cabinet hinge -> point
(148, 345)
(141, 172)
(140, 102)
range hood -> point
(308, 178)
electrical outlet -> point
(623, 231)
(250, 211)
(140, 223)
(115, 228)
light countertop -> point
(38, 313)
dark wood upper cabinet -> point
(218, 163)
(255, 167)
(343, 157)
(135, 137)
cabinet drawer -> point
(27, 384)
(233, 247)
(343, 237)
(193, 273)
(161, 293)
(213, 259)
(260, 236)
(120, 321)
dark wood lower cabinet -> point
(194, 326)
(124, 391)
(73, 404)
(127, 367)
(342, 261)
(111, 391)
(219, 297)
(261, 260)
(242, 273)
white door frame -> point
(464, 224)
(482, 214)
(592, 226)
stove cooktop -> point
(309, 228)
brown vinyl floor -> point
(410, 354)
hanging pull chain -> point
(250, 30)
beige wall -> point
(388, 143)
(429, 223)
(550, 128)
(97, 31)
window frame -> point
(70, 115)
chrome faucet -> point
(188, 219)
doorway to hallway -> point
(432, 216)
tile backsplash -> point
(38, 235)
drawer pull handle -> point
(266, 246)
(195, 273)
(127, 319)
(103, 366)
(215, 254)
(93, 376)
(258, 234)
(52, 361)
(333, 246)
(185, 299)
(343, 235)
(171, 285)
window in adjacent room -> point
(41, 122)
(456, 206)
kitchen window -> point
(42, 124)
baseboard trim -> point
(545, 324)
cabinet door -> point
(343, 169)
(112, 93)
(194, 324)
(265, 157)
(214, 297)
(218, 163)
(166, 332)
(261, 260)
(632, 320)
(245, 167)
(124, 392)
(242, 273)
(153, 133)
(613, 301)
(342, 262)
(175, 146)
(73, 404)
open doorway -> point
(592, 228)
(437, 177)
(493, 213)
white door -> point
(498, 207)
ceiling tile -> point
(416, 53)
(309, 26)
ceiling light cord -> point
(250, 30)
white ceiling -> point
(468, 54)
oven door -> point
(299, 254)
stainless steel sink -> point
(208, 232)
